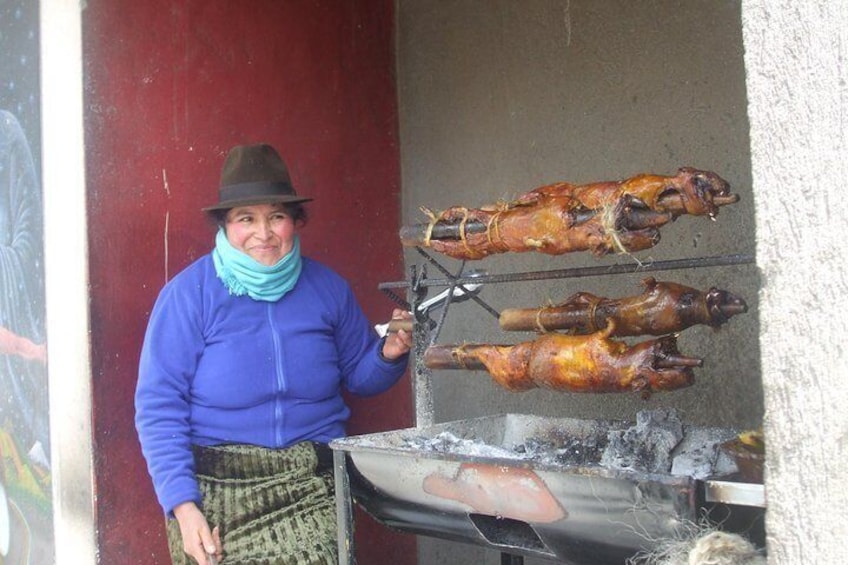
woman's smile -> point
(265, 232)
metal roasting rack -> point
(426, 331)
(367, 467)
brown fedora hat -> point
(254, 174)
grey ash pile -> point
(658, 442)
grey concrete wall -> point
(498, 97)
(795, 55)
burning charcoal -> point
(697, 455)
(567, 452)
(647, 446)
(534, 448)
(585, 451)
(697, 463)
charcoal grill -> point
(528, 485)
(568, 490)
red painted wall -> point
(170, 87)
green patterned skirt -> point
(273, 506)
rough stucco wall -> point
(498, 97)
(795, 53)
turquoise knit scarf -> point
(242, 274)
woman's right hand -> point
(198, 540)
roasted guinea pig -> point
(574, 363)
(663, 308)
(603, 217)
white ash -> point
(563, 452)
(699, 455)
(575, 451)
(660, 443)
(657, 443)
(447, 442)
(647, 446)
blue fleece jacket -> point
(218, 369)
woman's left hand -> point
(398, 343)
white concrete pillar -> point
(795, 60)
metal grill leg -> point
(344, 509)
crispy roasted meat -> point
(572, 363)
(603, 217)
(663, 308)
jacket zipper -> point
(280, 375)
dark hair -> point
(296, 210)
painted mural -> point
(26, 513)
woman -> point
(240, 379)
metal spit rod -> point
(577, 272)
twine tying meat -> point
(459, 355)
(593, 308)
(493, 226)
(608, 217)
(428, 231)
(462, 235)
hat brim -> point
(281, 199)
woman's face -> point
(263, 231)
